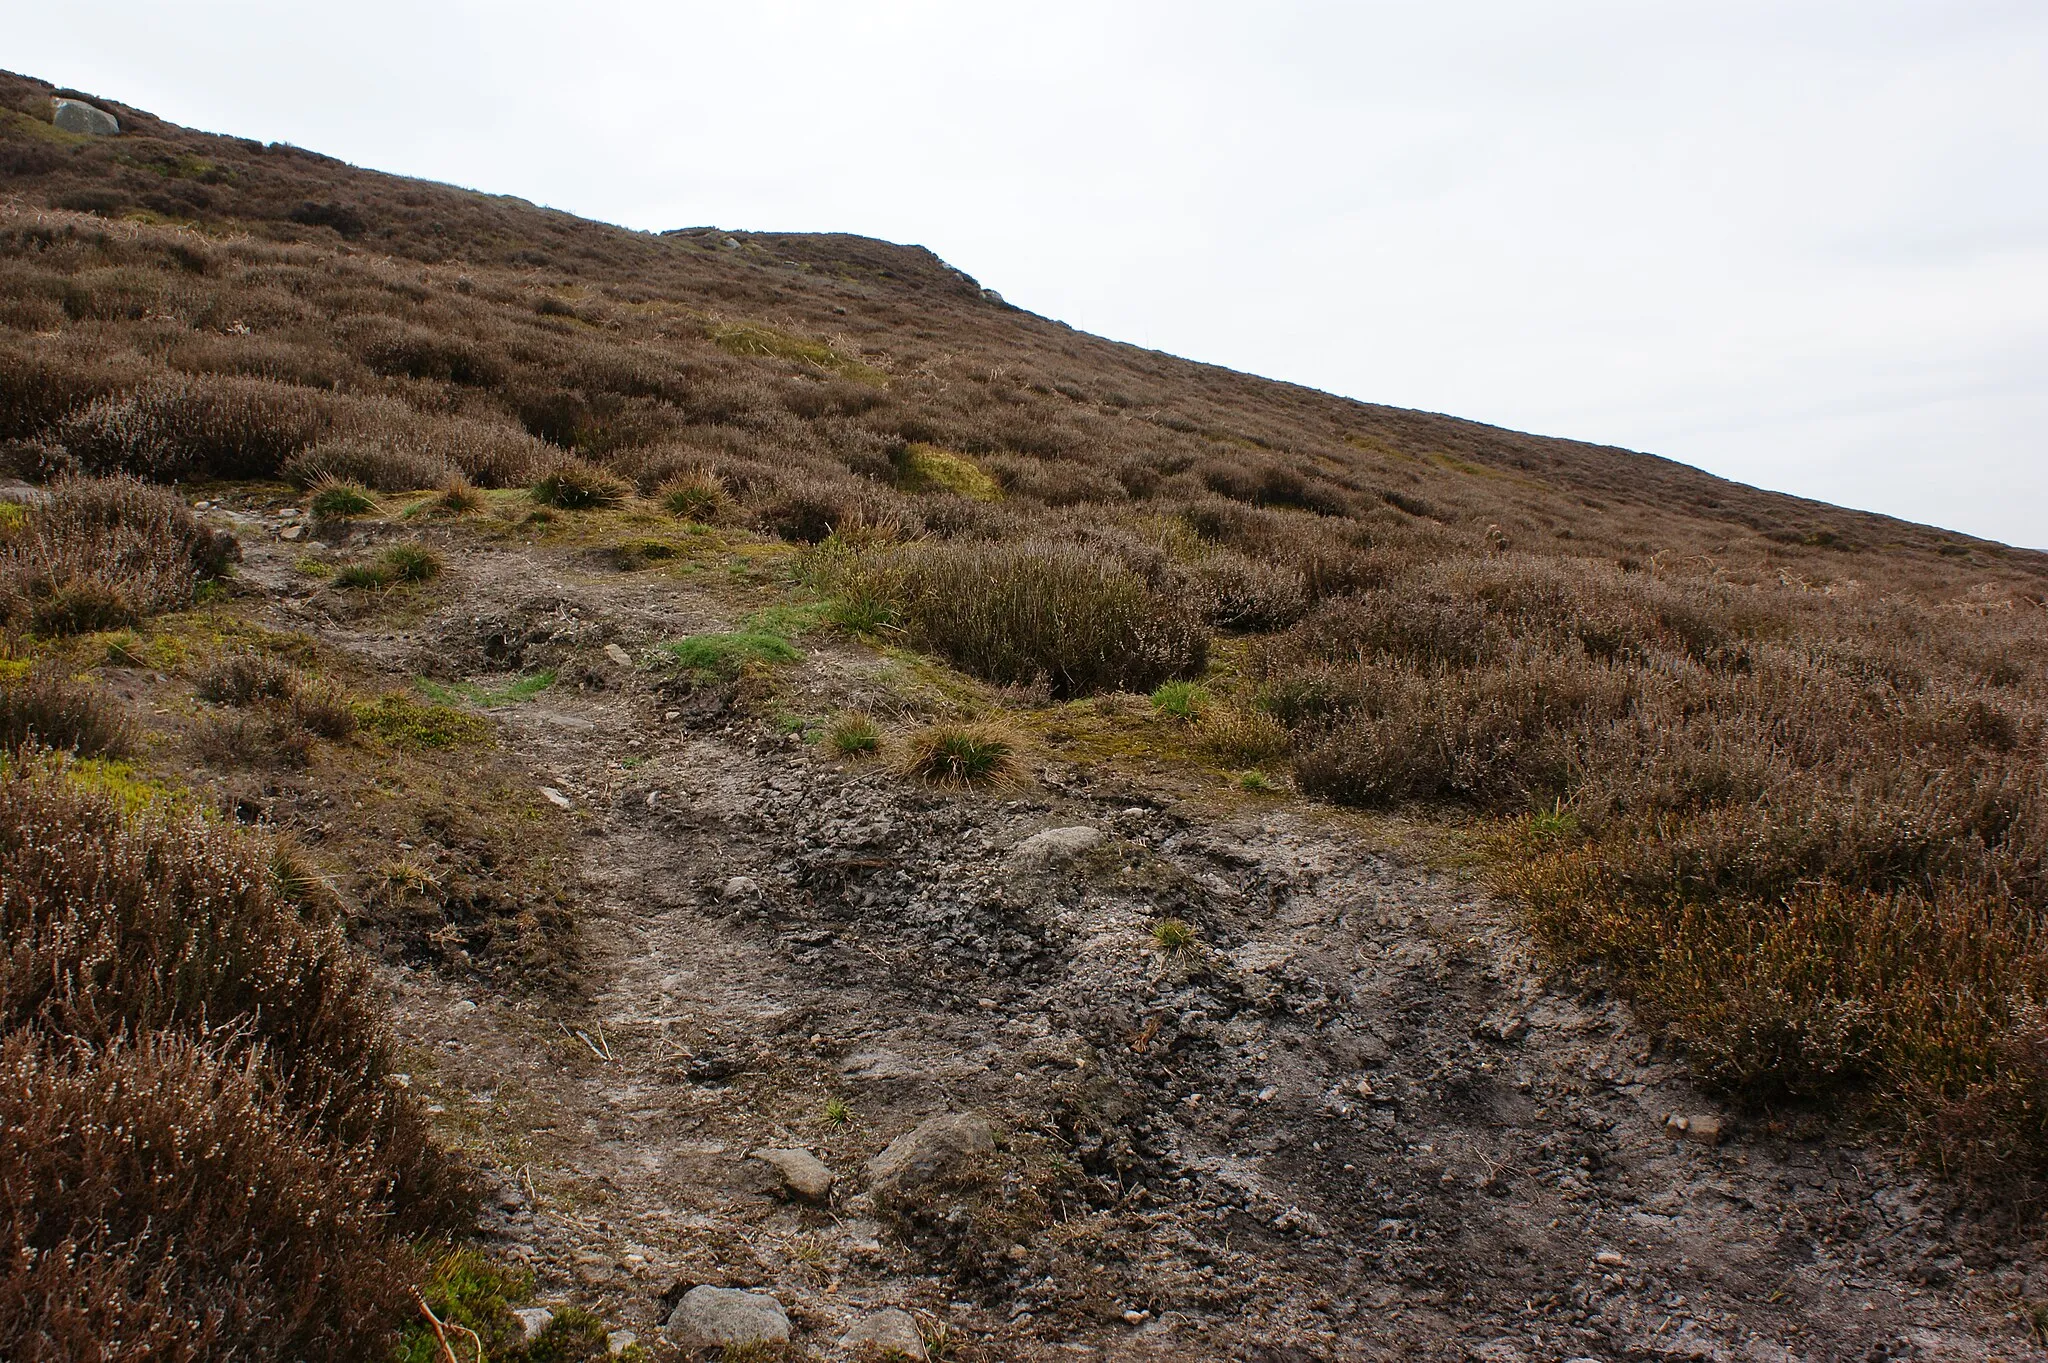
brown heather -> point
(1772, 769)
(203, 1157)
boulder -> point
(803, 1174)
(1056, 846)
(932, 1152)
(890, 1331)
(76, 116)
(712, 1317)
(533, 1320)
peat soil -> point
(1353, 1120)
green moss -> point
(13, 516)
(120, 781)
(723, 655)
(927, 468)
(749, 338)
(397, 718)
(520, 689)
(468, 1290)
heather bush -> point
(1059, 613)
(197, 426)
(44, 709)
(365, 463)
(101, 553)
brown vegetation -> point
(1773, 768)
(205, 1157)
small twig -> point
(440, 1331)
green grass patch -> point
(1184, 701)
(512, 693)
(398, 718)
(723, 655)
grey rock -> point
(892, 1331)
(76, 116)
(739, 887)
(533, 1320)
(556, 798)
(618, 1341)
(618, 655)
(929, 1152)
(710, 1317)
(1057, 845)
(803, 1173)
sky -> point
(1798, 243)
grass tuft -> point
(959, 755)
(854, 735)
(337, 499)
(573, 485)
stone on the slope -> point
(1704, 1128)
(556, 798)
(533, 1320)
(803, 1173)
(76, 116)
(618, 655)
(711, 1317)
(891, 1331)
(1057, 845)
(739, 887)
(928, 1153)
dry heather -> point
(1772, 768)
(204, 1157)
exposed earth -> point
(1352, 1118)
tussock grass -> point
(399, 565)
(854, 735)
(725, 654)
(959, 755)
(699, 496)
(340, 499)
(573, 485)
(927, 468)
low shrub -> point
(244, 678)
(205, 1155)
(959, 755)
(1239, 593)
(241, 739)
(368, 464)
(43, 709)
(1067, 616)
(197, 426)
(102, 553)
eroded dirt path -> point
(1354, 1122)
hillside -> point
(508, 717)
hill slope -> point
(620, 627)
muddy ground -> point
(1351, 1119)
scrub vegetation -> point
(1772, 770)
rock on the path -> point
(618, 655)
(618, 1341)
(1056, 845)
(556, 798)
(1704, 1128)
(533, 1320)
(76, 116)
(803, 1173)
(739, 887)
(710, 1317)
(932, 1151)
(892, 1331)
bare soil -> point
(1355, 1121)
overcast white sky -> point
(1799, 243)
